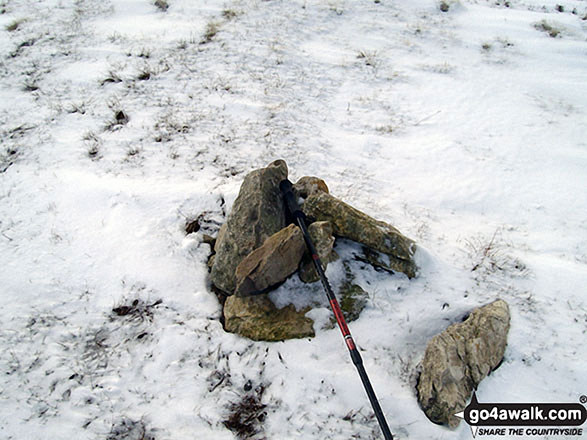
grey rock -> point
(459, 358)
(257, 213)
(355, 225)
(257, 318)
(309, 185)
(272, 263)
(321, 235)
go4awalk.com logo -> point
(525, 419)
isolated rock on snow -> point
(270, 264)
(258, 212)
(459, 358)
(355, 225)
(321, 235)
(309, 185)
(257, 318)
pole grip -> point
(293, 207)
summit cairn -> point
(258, 248)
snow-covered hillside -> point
(123, 120)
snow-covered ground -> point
(122, 121)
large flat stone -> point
(257, 318)
(272, 263)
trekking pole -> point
(300, 218)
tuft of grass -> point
(76, 107)
(90, 136)
(246, 416)
(7, 160)
(93, 144)
(229, 14)
(18, 132)
(94, 152)
(120, 119)
(136, 310)
(505, 43)
(127, 429)
(336, 7)
(211, 31)
(19, 48)
(145, 74)
(133, 152)
(115, 37)
(489, 257)
(369, 57)
(387, 129)
(550, 29)
(162, 5)
(111, 78)
(206, 222)
(498, 43)
(168, 126)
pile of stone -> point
(257, 249)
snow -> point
(464, 129)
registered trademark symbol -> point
(583, 399)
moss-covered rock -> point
(353, 300)
(257, 318)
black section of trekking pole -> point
(300, 218)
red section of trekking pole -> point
(300, 219)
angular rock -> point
(272, 263)
(257, 318)
(257, 213)
(459, 358)
(308, 185)
(321, 235)
(355, 225)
